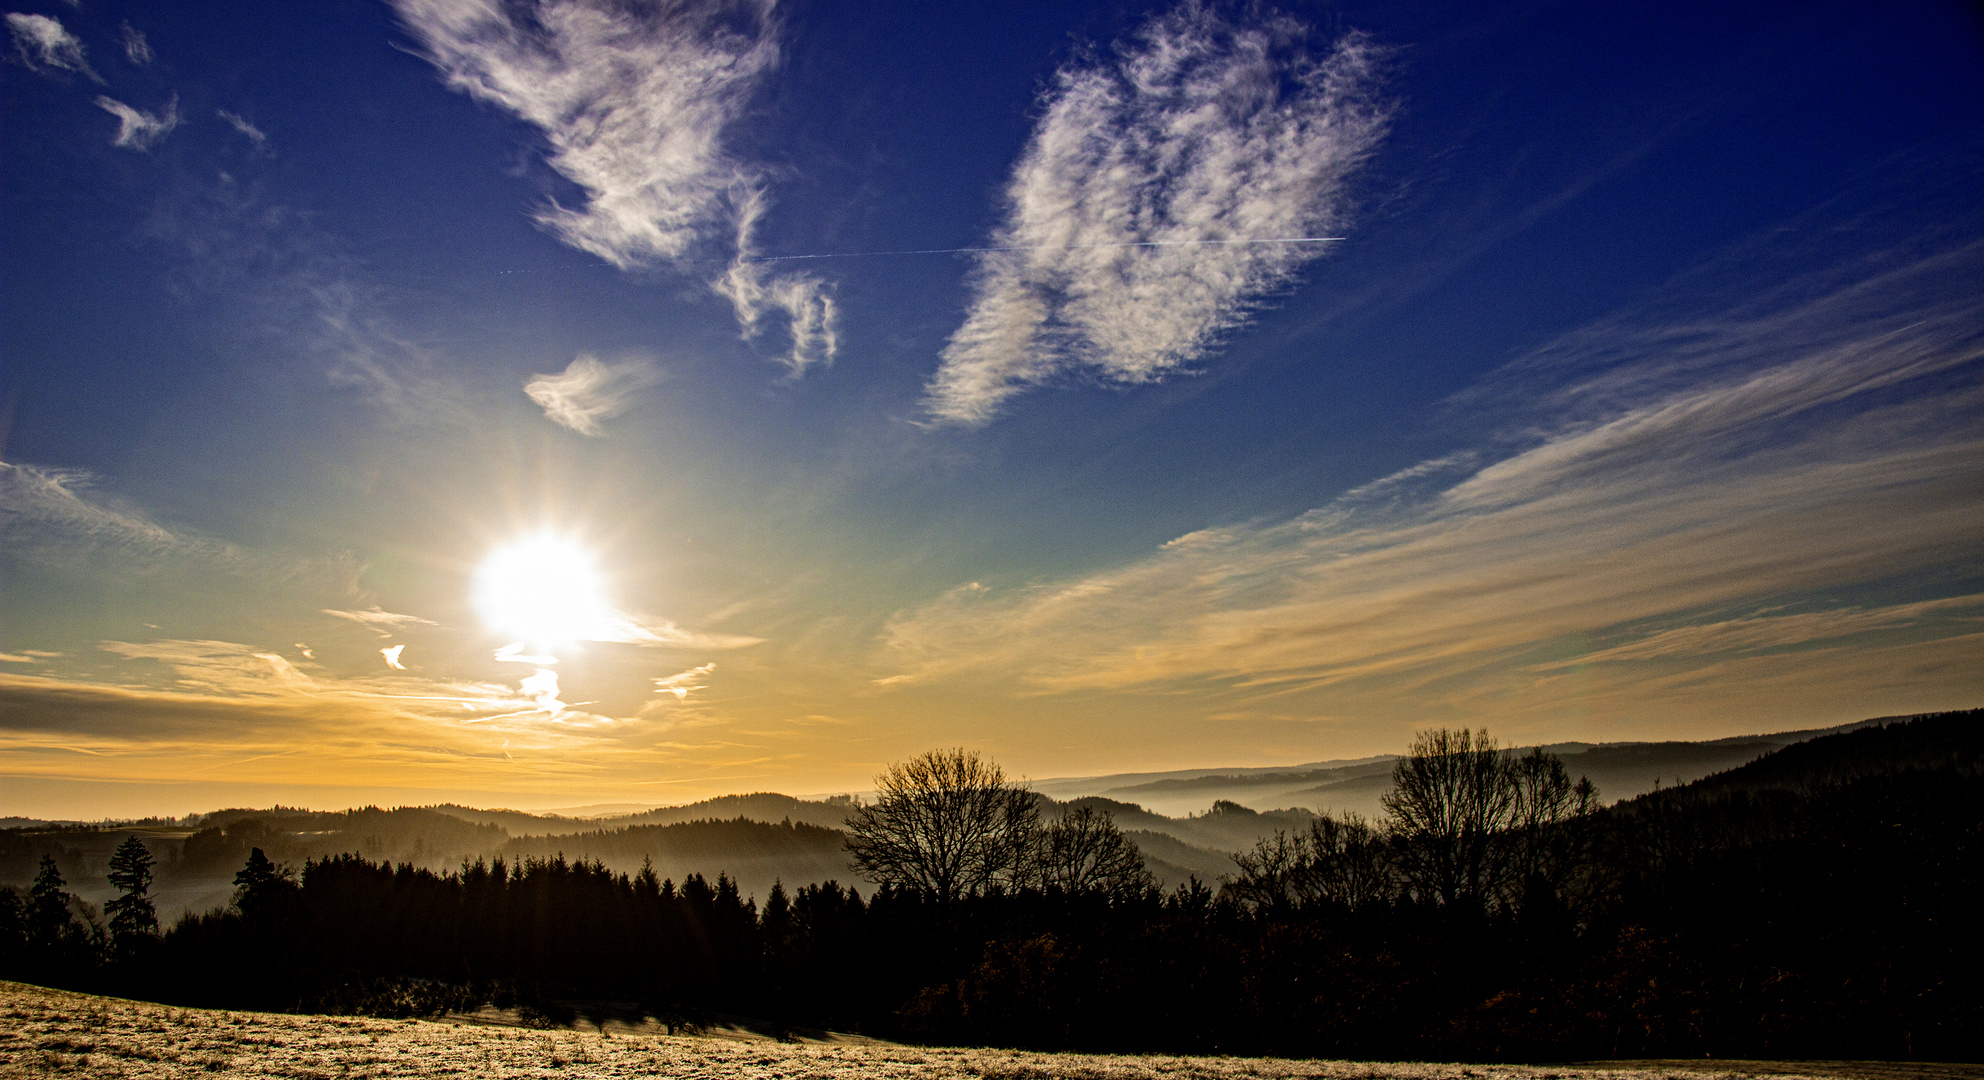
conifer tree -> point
(263, 890)
(13, 929)
(50, 926)
(133, 918)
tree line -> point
(1496, 911)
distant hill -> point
(753, 853)
(1950, 741)
(760, 806)
(1226, 827)
(196, 866)
(1186, 823)
(1174, 862)
(1621, 771)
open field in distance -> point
(55, 1033)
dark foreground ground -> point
(55, 1033)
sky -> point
(552, 402)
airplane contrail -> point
(1047, 247)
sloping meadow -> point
(52, 1032)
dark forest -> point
(1816, 903)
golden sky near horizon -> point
(444, 408)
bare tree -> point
(1085, 852)
(947, 823)
(1475, 826)
(1341, 862)
(1450, 795)
(1349, 863)
(1545, 838)
(1271, 876)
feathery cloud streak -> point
(42, 42)
(1694, 508)
(1197, 130)
(752, 288)
(241, 124)
(684, 683)
(136, 128)
(634, 106)
(54, 511)
(378, 620)
(136, 48)
(52, 521)
(589, 391)
(218, 701)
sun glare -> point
(544, 590)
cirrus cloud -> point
(589, 391)
(378, 620)
(136, 128)
(1126, 246)
(1678, 507)
(42, 43)
(136, 48)
(634, 105)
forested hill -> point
(1622, 770)
(1949, 742)
(759, 806)
(754, 854)
(740, 835)
(1813, 905)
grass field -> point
(47, 1033)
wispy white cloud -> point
(136, 48)
(590, 390)
(634, 105)
(56, 514)
(314, 304)
(807, 303)
(56, 521)
(136, 128)
(42, 43)
(541, 687)
(265, 679)
(378, 620)
(514, 653)
(242, 125)
(31, 496)
(11, 658)
(630, 629)
(1759, 632)
(192, 706)
(1198, 129)
(684, 683)
(1728, 462)
(218, 666)
(225, 710)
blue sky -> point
(1636, 394)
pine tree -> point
(133, 918)
(13, 930)
(263, 890)
(50, 926)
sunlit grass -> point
(56, 1033)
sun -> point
(544, 590)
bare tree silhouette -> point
(1472, 826)
(1085, 852)
(1450, 795)
(947, 823)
